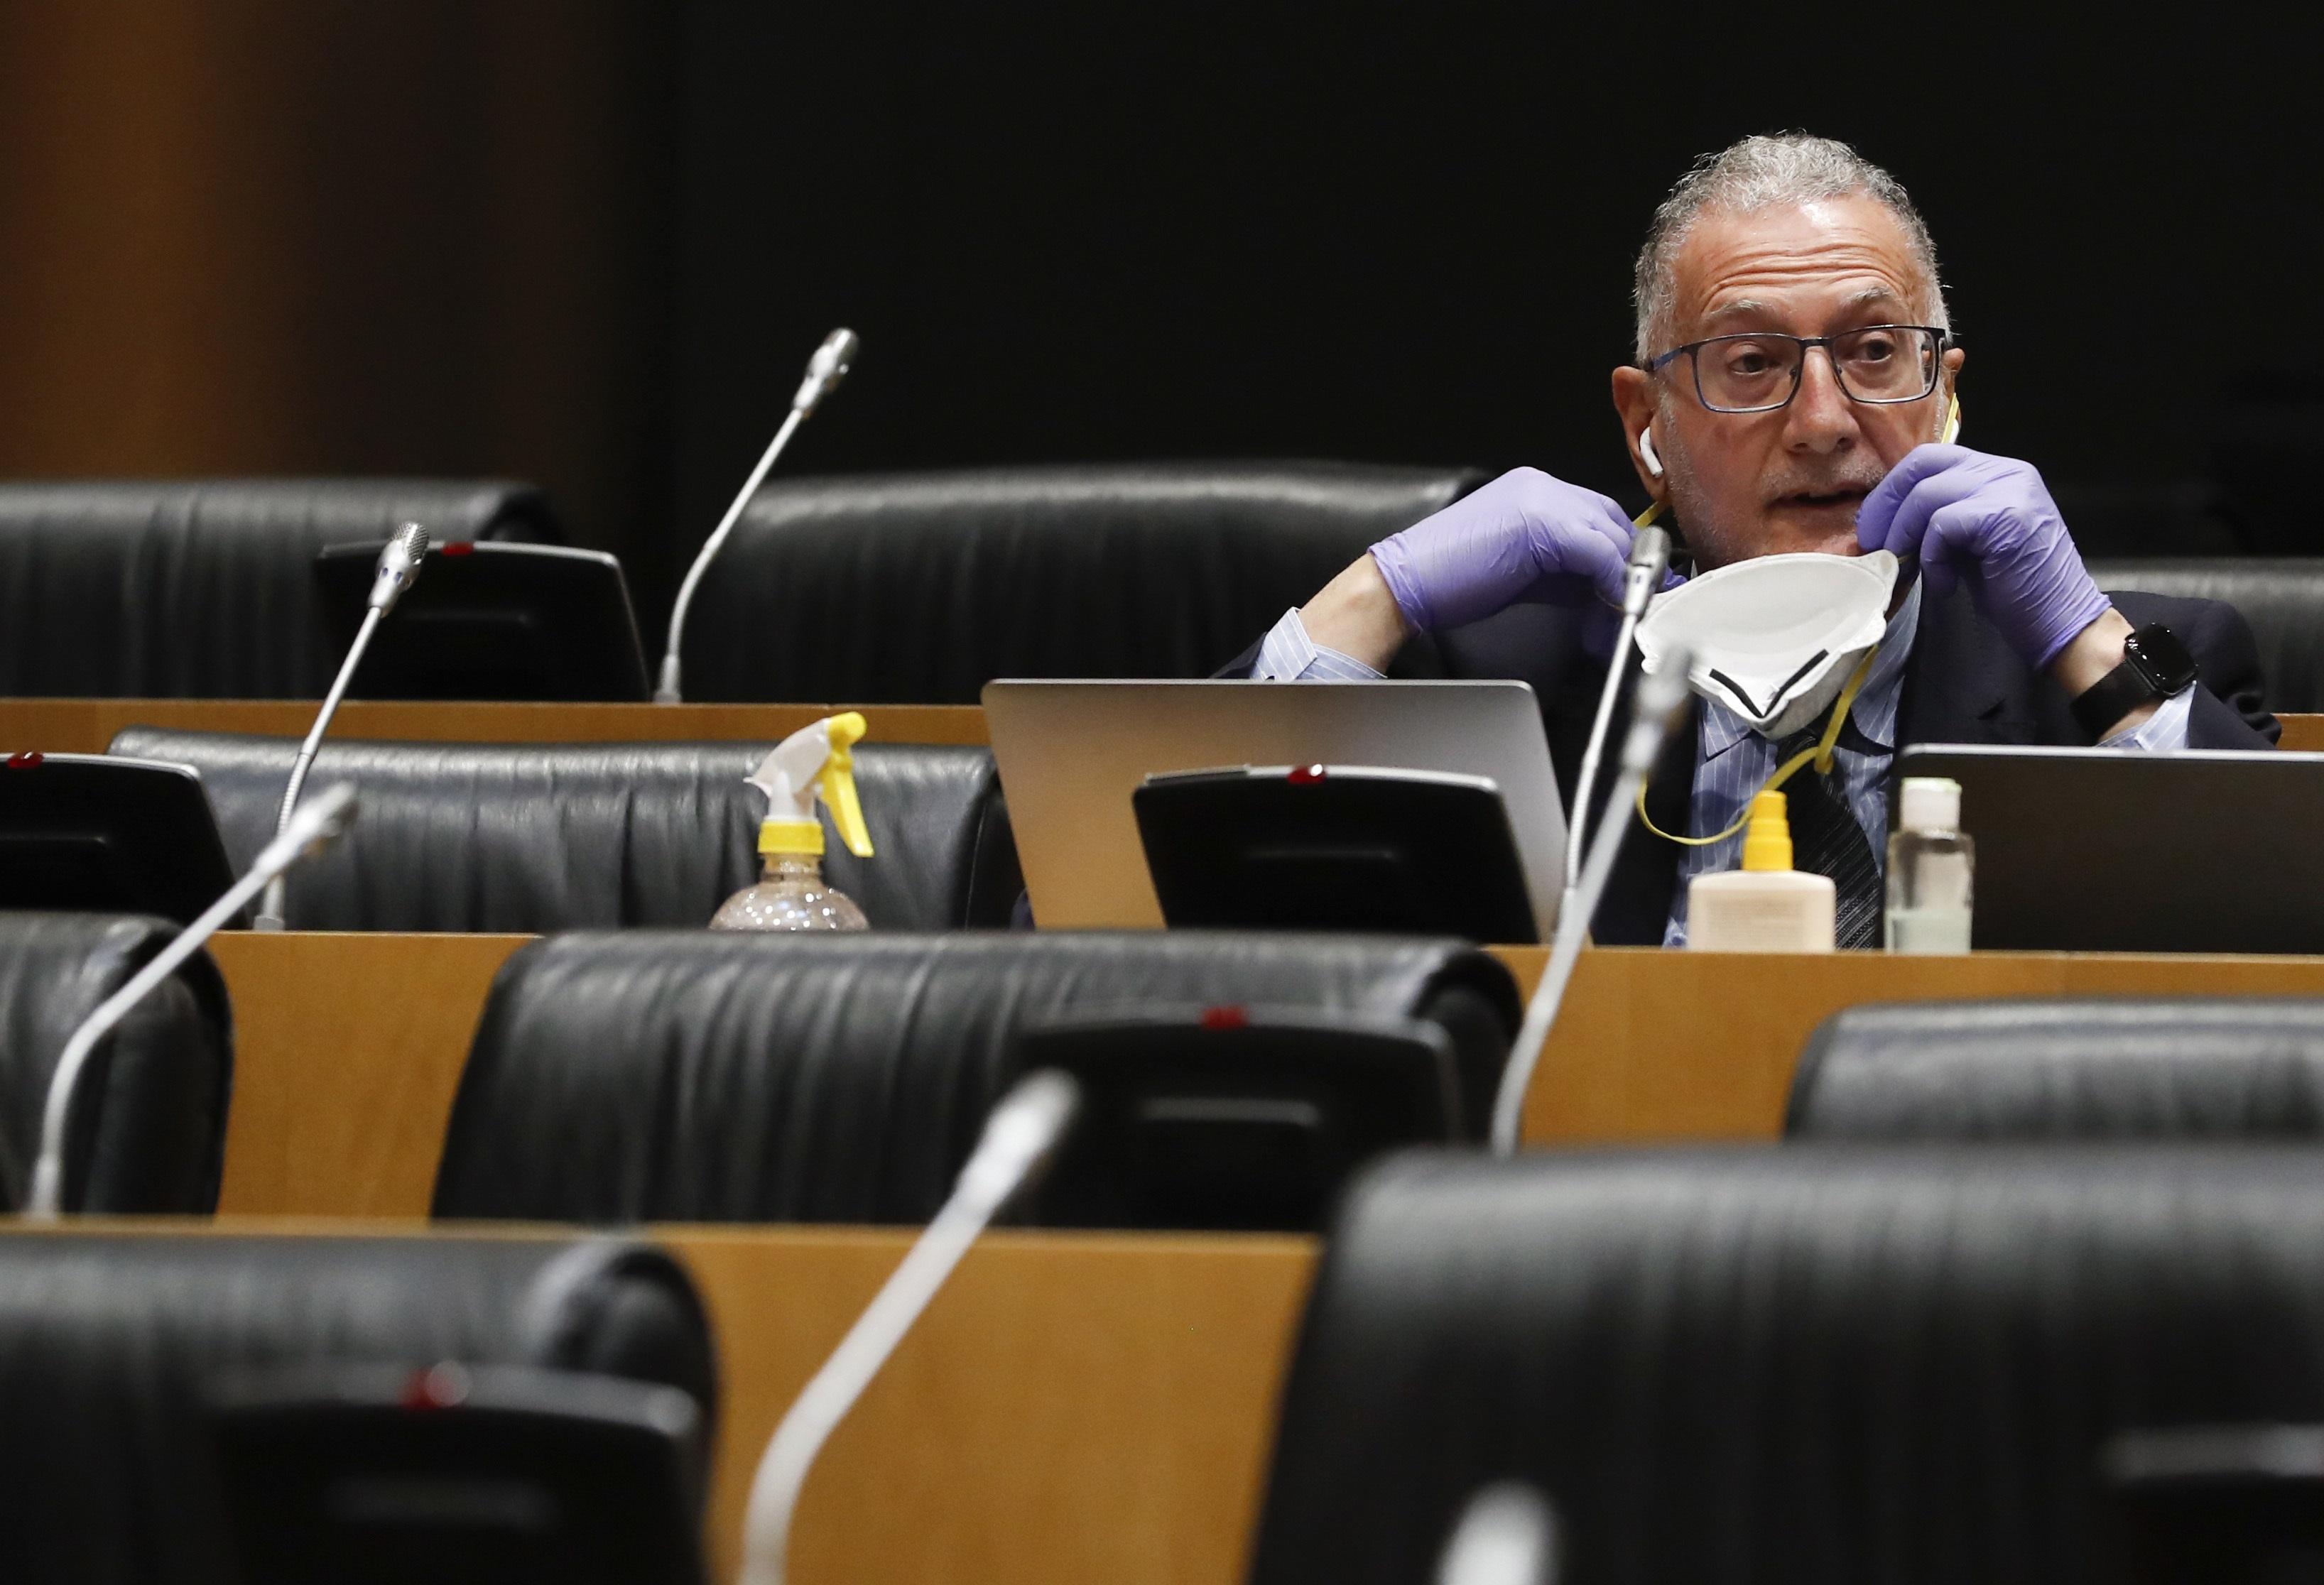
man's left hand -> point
(1989, 521)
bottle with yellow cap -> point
(816, 764)
(1766, 905)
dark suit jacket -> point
(1963, 684)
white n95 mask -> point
(1773, 639)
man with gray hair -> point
(1795, 390)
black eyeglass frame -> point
(1693, 352)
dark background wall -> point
(592, 244)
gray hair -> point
(1760, 173)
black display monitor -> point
(1334, 847)
(368, 1475)
(490, 620)
(1245, 1118)
(101, 833)
(2215, 1505)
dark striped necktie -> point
(1827, 841)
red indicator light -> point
(459, 548)
(24, 761)
(1226, 1017)
(438, 1386)
(1305, 774)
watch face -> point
(2160, 658)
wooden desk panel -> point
(1074, 1407)
(85, 726)
(348, 1048)
(347, 1053)
(1658, 1045)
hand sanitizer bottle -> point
(1766, 905)
(1931, 868)
(814, 763)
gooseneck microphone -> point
(1507, 1535)
(1642, 580)
(399, 565)
(1662, 695)
(1018, 1139)
(310, 830)
(825, 371)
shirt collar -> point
(1875, 710)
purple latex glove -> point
(1988, 521)
(1525, 537)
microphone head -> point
(399, 563)
(1650, 550)
(1022, 1133)
(1507, 1535)
(1662, 695)
(319, 821)
(827, 368)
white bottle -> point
(1766, 905)
(1930, 868)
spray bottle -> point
(814, 763)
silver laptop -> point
(1071, 753)
(2112, 849)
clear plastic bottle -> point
(1932, 870)
(791, 895)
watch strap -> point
(2110, 698)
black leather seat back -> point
(1821, 1365)
(148, 1131)
(2127, 1068)
(922, 587)
(545, 837)
(107, 1344)
(2281, 597)
(713, 1077)
(204, 589)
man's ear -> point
(1634, 404)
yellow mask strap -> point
(1821, 753)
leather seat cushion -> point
(206, 588)
(711, 1077)
(2122, 1068)
(148, 1133)
(545, 837)
(1819, 1364)
(921, 587)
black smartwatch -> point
(2154, 666)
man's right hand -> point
(1525, 537)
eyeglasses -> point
(1758, 370)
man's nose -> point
(1820, 418)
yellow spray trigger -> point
(837, 783)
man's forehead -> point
(1802, 262)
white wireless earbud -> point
(1646, 450)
